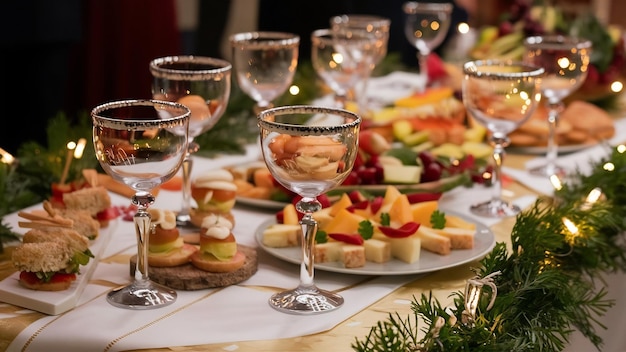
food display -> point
(51, 253)
(217, 259)
(581, 123)
(356, 229)
(165, 246)
(214, 193)
(218, 252)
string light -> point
(6, 157)
(80, 148)
(556, 182)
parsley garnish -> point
(366, 230)
(438, 219)
(385, 220)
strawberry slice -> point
(347, 238)
(422, 197)
(375, 204)
(405, 230)
(362, 205)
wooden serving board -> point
(189, 278)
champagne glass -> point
(376, 27)
(309, 150)
(265, 64)
(425, 27)
(141, 143)
(341, 60)
(565, 60)
(202, 84)
(500, 95)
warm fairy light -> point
(609, 166)
(463, 28)
(294, 90)
(71, 145)
(80, 148)
(556, 182)
(571, 227)
(6, 157)
(617, 86)
(621, 148)
(594, 195)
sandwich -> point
(165, 246)
(49, 259)
(218, 251)
(214, 192)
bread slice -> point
(92, 199)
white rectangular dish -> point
(56, 302)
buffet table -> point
(238, 317)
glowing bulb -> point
(6, 157)
(556, 182)
(80, 148)
(571, 227)
(617, 86)
(294, 90)
(463, 28)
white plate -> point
(56, 302)
(562, 149)
(261, 203)
(484, 241)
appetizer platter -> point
(57, 302)
(428, 262)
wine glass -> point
(202, 84)
(265, 64)
(309, 150)
(500, 95)
(141, 143)
(425, 27)
(341, 60)
(375, 26)
(565, 60)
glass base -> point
(548, 170)
(183, 220)
(495, 209)
(138, 296)
(305, 300)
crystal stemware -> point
(341, 60)
(426, 25)
(265, 64)
(500, 95)
(141, 143)
(309, 150)
(565, 60)
(202, 84)
(376, 27)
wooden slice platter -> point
(189, 278)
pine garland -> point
(548, 285)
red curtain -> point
(121, 37)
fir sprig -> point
(549, 285)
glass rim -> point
(471, 68)
(264, 38)
(308, 109)
(557, 41)
(222, 67)
(180, 118)
(375, 20)
(411, 7)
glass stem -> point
(309, 228)
(422, 61)
(554, 110)
(308, 206)
(498, 143)
(142, 221)
(183, 215)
